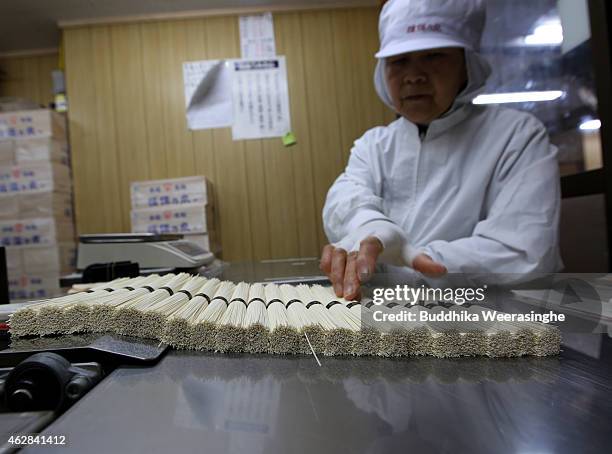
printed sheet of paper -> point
(257, 36)
(208, 93)
(261, 99)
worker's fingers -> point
(369, 250)
(326, 259)
(351, 281)
(424, 264)
(337, 270)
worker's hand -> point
(424, 264)
(347, 271)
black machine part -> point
(105, 272)
(129, 237)
(4, 288)
(47, 381)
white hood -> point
(413, 25)
(478, 71)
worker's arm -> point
(348, 270)
(355, 198)
(359, 232)
(519, 235)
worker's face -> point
(424, 84)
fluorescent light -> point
(590, 125)
(547, 34)
(522, 96)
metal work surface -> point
(85, 347)
(209, 403)
(305, 270)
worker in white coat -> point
(450, 186)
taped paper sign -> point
(257, 36)
(208, 93)
(261, 99)
(251, 96)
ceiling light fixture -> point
(546, 34)
(590, 125)
(522, 96)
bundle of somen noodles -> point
(190, 312)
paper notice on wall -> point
(208, 93)
(261, 99)
(257, 36)
(250, 95)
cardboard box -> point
(37, 205)
(14, 260)
(18, 151)
(176, 191)
(7, 153)
(189, 218)
(35, 232)
(33, 286)
(60, 257)
(35, 177)
(13, 103)
(32, 124)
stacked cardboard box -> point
(36, 218)
(179, 205)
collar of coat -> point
(440, 125)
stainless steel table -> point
(213, 403)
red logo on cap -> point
(424, 28)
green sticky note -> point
(289, 139)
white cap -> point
(411, 25)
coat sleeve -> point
(355, 198)
(518, 236)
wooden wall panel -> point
(152, 79)
(127, 117)
(230, 168)
(111, 204)
(344, 50)
(128, 99)
(323, 107)
(173, 51)
(289, 42)
(202, 140)
(83, 132)
(28, 77)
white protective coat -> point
(479, 192)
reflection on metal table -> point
(196, 402)
(205, 402)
